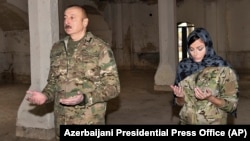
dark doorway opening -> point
(183, 29)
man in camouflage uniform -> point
(83, 75)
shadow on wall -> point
(8, 75)
(152, 58)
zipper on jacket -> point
(67, 56)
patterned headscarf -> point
(188, 66)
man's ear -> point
(85, 22)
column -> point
(211, 20)
(217, 25)
(166, 70)
(38, 121)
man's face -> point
(74, 21)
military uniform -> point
(222, 81)
(87, 66)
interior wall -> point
(145, 35)
(2, 52)
(14, 42)
(132, 29)
(191, 11)
(231, 28)
(238, 19)
(137, 44)
(16, 57)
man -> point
(83, 75)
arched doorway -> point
(183, 28)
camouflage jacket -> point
(87, 66)
(223, 83)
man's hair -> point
(80, 7)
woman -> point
(206, 86)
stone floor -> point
(138, 103)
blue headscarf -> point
(188, 66)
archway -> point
(183, 28)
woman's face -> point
(197, 50)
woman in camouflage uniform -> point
(206, 86)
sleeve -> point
(50, 87)
(229, 90)
(177, 75)
(109, 86)
(177, 80)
